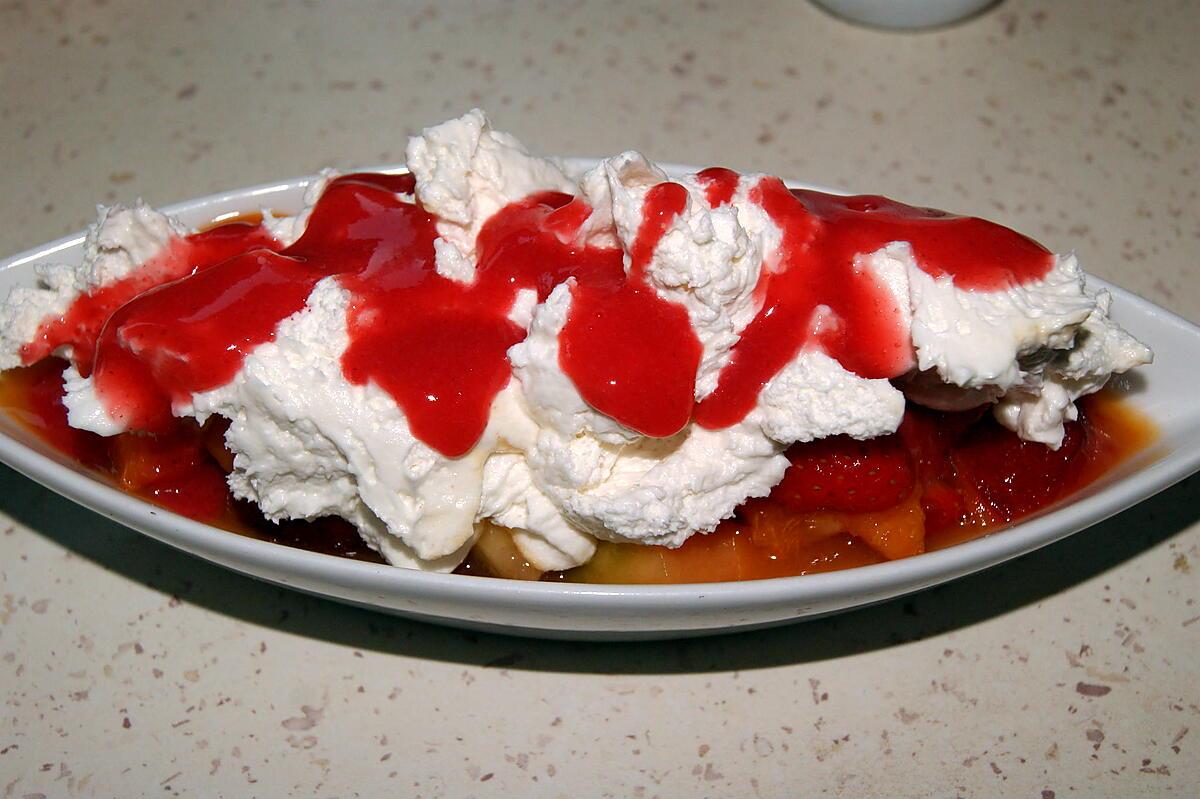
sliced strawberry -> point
(173, 457)
(929, 436)
(943, 505)
(202, 495)
(33, 396)
(842, 474)
(1016, 477)
(173, 468)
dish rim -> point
(922, 570)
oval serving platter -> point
(1164, 391)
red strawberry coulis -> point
(186, 322)
(603, 347)
(814, 296)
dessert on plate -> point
(496, 363)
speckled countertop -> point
(130, 669)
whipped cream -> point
(307, 443)
(117, 244)
(558, 472)
(465, 173)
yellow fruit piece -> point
(498, 556)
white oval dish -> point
(1164, 391)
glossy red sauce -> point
(435, 345)
(631, 354)
(720, 184)
(186, 322)
(80, 326)
(33, 396)
(976, 254)
(814, 297)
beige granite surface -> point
(130, 669)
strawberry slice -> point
(943, 505)
(144, 460)
(173, 469)
(842, 474)
(931, 435)
(1016, 477)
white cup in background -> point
(907, 14)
